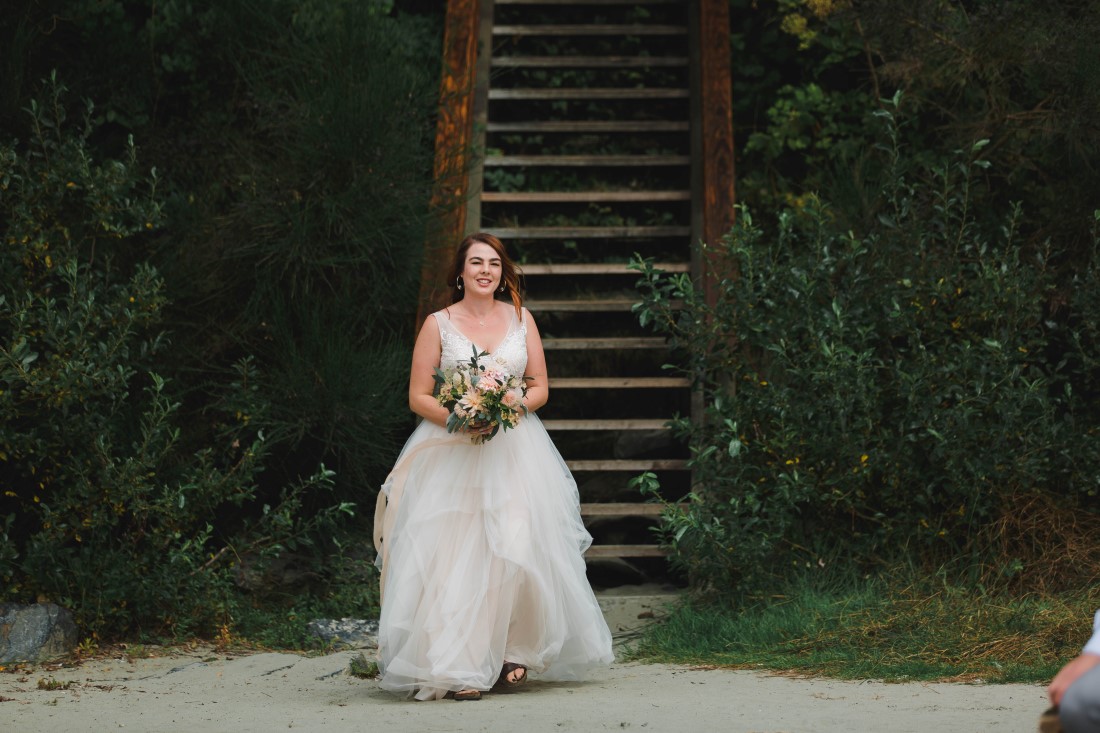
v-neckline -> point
(492, 352)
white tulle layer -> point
(482, 563)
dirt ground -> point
(201, 689)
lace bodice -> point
(510, 354)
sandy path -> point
(270, 692)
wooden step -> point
(623, 509)
(549, 29)
(587, 232)
(582, 197)
(587, 2)
(596, 551)
(612, 464)
(619, 382)
(590, 126)
(591, 93)
(589, 62)
(616, 343)
(595, 268)
(595, 161)
(635, 424)
(588, 305)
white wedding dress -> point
(481, 553)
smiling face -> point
(482, 270)
(481, 265)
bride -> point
(481, 545)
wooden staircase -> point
(586, 125)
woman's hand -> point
(478, 427)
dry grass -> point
(1055, 548)
(882, 628)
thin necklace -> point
(480, 321)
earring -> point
(458, 283)
(502, 288)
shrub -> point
(104, 509)
(893, 390)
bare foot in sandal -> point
(469, 694)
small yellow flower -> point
(1022, 350)
(70, 184)
(131, 299)
(863, 458)
(763, 383)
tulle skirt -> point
(481, 554)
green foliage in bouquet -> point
(922, 388)
(104, 508)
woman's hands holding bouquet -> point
(482, 401)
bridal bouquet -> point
(478, 396)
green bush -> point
(298, 226)
(294, 144)
(896, 390)
(105, 511)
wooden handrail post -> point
(453, 135)
(716, 136)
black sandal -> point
(509, 668)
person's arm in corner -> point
(1089, 658)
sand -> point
(200, 689)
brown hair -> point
(509, 273)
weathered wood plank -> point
(588, 2)
(609, 126)
(622, 509)
(587, 232)
(637, 424)
(607, 342)
(589, 62)
(596, 268)
(584, 93)
(625, 551)
(582, 305)
(550, 29)
(656, 464)
(619, 382)
(595, 161)
(566, 197)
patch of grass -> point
(363, 668)
(879, 628)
